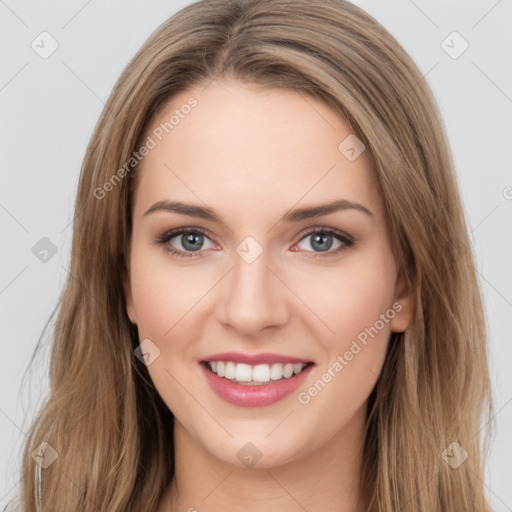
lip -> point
(245, 395)
(254, 359)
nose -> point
(253, 298)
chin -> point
(251, 451)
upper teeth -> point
(259, 373)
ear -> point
(403, 304)
(130, 309)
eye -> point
(190, 239)
(321, 240)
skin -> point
(252, 154)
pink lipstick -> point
(254, 380)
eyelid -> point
(320, 229)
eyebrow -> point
(296, 215)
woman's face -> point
(246, 165)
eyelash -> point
(163, 238)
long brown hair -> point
(104, 418)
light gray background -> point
(49, 108)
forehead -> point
(258, 147)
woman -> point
(273, 301)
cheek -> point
(163, 293)
(164, 296)
(355, 303)
(348, 300)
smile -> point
(254, 380)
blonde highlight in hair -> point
(111, 429)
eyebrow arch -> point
(292, 216)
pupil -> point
(192, 239)
(322, 239)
